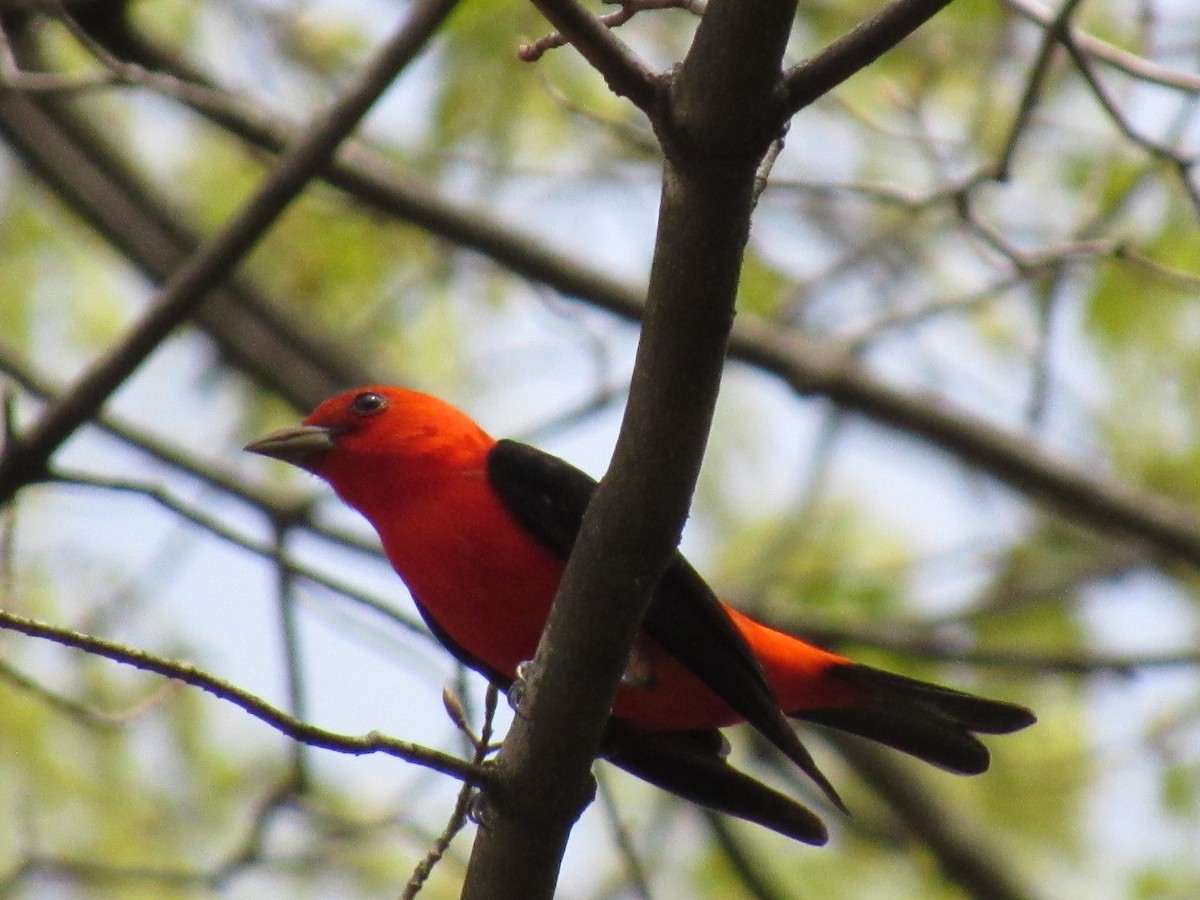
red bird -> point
(480, 531)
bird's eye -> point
(368, 403)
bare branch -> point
(26, 461)
(919, 643)
(217, 529)
(293, 664)
(1091, 497)
(756, 883)
(811, 368)
(534, 50)
(633, 523)
(637, 876)
(1182, 165)
(624, 73)
(255, 706)
(966, 858)
(275, 507)
(1033, 86)
(458, 818)
(83, 713)
(1102, 51)
(61, 148)
(853, 52)
(113, 73)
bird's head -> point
(377, 432)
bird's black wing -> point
(548, 498)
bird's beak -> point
(297, 445)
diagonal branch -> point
(624, 73)
(294, 728)
(852, 52)
(56, 143)
(272, 505)
(1093, 498)
(1121, 60)
(976, 866)
(1034, 85)
(26, 460)
(625, 12)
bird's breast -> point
(486, 583)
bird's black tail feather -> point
(691, 765)
(928, 721)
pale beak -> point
(297, 445)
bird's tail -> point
(692, 765)
(928, 721)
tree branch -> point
(213, 527)
(975, 866)
(275, 507)
(1096, 500)
(625, 74)
(853, 52)
(633, 524)
(255, 706)
(26, 460)
(809, 367)
(58, 146)
(922, 645)
(1102, 51)
(626, 10)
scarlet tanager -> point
(480, 531)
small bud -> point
(454, 708)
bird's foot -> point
(480, 809)
(527, 673)
(639, 671)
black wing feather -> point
(691, 765)
(548, 497)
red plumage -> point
(479, 530)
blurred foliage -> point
(829, 559)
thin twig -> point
(638, 876)
(749, 871)
(931, 642)
(462, 806)
(1129, 63)
(624, 73)
(272, 505)
(165, 499)
(966, 858)
(763, 175)
(1182, 165)
(532, 51)
(1055, 29)
(285, 605)
(83, 713)
(374, 742)
(113, 73)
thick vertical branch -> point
(633, 524)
